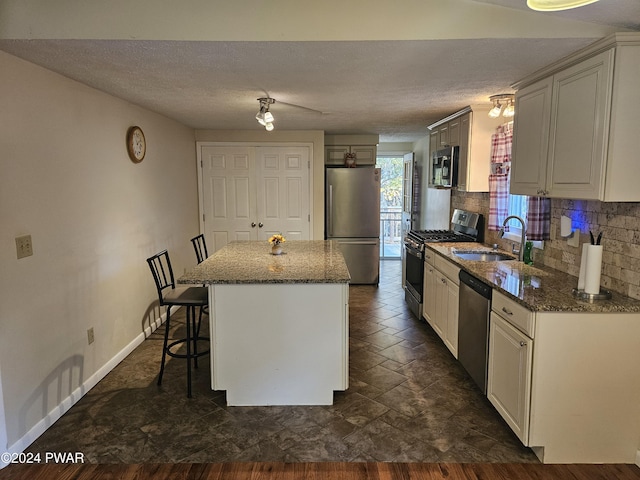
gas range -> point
(465, 227)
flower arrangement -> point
(277, 239)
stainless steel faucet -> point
(522, 235)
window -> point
(518, 206)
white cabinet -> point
(365, 154)
(509, 377)
(429, 289)
(440, 299)
(470, 129)
(572, 132)
(363, 146)
(567, 383)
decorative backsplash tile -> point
(618, 222)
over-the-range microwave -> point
(444, 168)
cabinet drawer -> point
(513, 312)
(430, 257)
(448, 269)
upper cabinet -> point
(574, 133)
(470, 129)
(363, 146)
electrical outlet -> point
(90, 336)
(24, 247)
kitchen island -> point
(278, 323)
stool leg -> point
(188, 342)
(164, 347)
(195, 337)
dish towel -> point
(501, 142)
(538, 218)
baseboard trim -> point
(64, 406)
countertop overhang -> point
(251, 262)
(536, 287)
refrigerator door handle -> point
(330, 232)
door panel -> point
(229, 195)
(283, 191)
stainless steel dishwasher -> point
(473, 327)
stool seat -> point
(185, 296)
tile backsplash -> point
(618, 222)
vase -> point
(276, 249)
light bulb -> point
(509, 110)
(269, 126)
(268, 118)
(495, 111)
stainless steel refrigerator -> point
(352, 218)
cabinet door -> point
(464, 137)
(531, 139)
(579, 126)
(509, 378)
(451, 332)
(334, 155)
(365, 154)
(454, 132)
(429, 294)
(439, 320)
(443, 135)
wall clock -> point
(136, 144)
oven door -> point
(414, 275)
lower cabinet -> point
(567, 383)
(440, 300)
(509, 378)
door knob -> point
(261, 225)
(253, 224)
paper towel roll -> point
(583, 267)
(593, 269)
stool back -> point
(160, 266)
(200, 246)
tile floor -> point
(408, 401)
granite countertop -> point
(312, 261)
(536, 287)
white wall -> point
(94, 218)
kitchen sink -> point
(483, 256)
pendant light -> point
(555, 5)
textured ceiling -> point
(393, 88)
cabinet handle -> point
(523, 344)
(443, 280)
(507, 311)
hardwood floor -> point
(323, 471)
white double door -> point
(253, 192)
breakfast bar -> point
(278, 323)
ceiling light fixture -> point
(264, 116)
(499, 101)
(555, 5)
